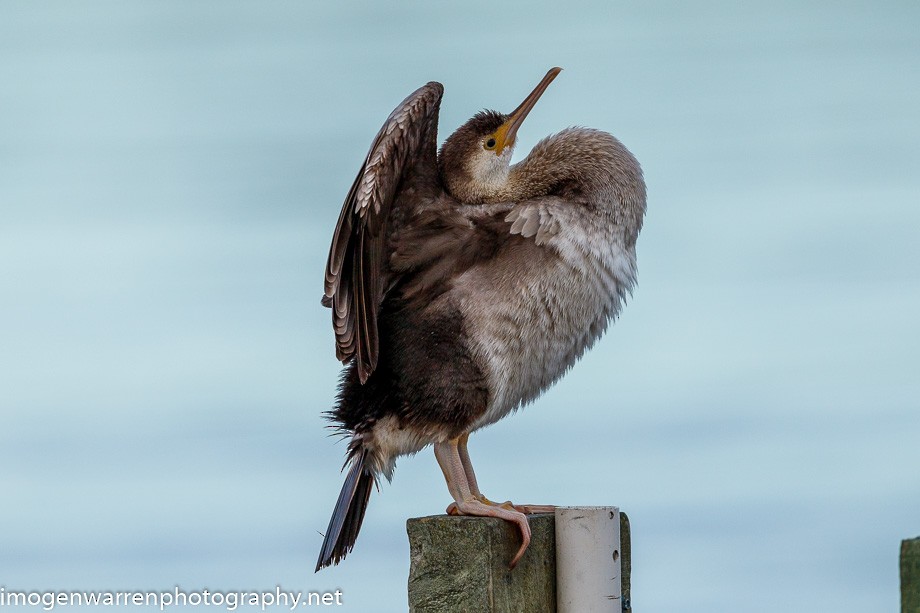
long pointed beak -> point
(520, 113)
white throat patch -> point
(490, 171)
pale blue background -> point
(170, 174)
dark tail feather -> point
(348, 514)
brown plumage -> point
(461, 287)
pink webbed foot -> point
(526, 509)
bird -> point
(462, 286)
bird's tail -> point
(349, 512)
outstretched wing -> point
(404, 152)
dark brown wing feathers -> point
(440, 244)
(358, 270)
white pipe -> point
(588, 578)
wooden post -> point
(460, 564)
(910, 575)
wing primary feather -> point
(357, 315)
(357, 270)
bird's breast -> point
(536, 308)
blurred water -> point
(169, 177)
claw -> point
(525, 541)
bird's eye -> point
(490, 144)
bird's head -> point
(474, 161)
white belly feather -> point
(529, 324)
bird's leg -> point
(528, 509)
(448, 455)
(471, 477)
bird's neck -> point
(530, 178)
(555, 162)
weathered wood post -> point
(460, 564)
(910, 575)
